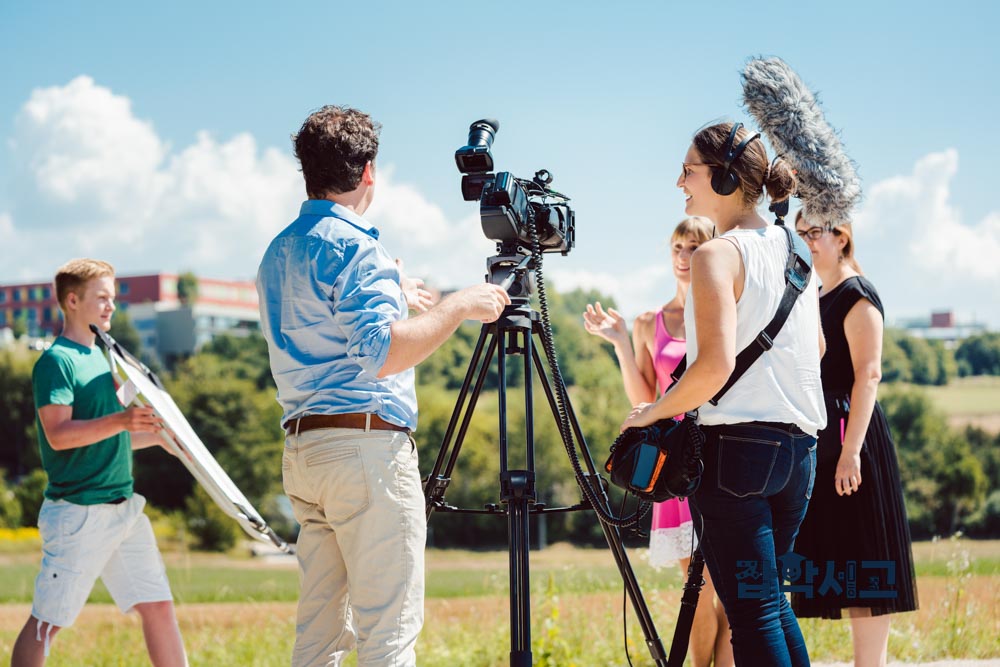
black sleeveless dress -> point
(856, 549)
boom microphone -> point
(789, 115)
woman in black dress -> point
(855, 539)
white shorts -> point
(83, 542)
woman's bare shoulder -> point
(646, 319)
(645, 324)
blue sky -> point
(158, 136)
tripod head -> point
(511, 271)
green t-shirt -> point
(71, 374)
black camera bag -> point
(659, 461)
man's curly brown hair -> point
(333, 146)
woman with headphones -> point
(760, 449)
(646, 361)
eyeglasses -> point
(812, 234)
(685, 165)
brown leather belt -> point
(351, 420)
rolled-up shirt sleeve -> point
(367, 299)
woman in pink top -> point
(646, 362)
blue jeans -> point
(753, 495)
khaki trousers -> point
(358, 498)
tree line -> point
(951, 476)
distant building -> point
(943, 326)
(168, 326)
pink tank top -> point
(667, 353)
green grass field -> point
(969, 401)
(979, 395)
(207, 578)
(240, 611)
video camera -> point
(508, 204)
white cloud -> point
(82, 146)
(96, 180)
(920, 253)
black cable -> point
(562, 399)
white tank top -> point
(783, 385)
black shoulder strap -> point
(798, 270)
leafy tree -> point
(895, 364)
(212, 528)
(187, 287)
(907, 358)
(912, 418)
(986, 521)
(19, 453)
(946, 365)
(246, 356)
(943, 480)
(10, 508)
(30, 492)
(961, 481)
(985, 447)
(19, 327)
(924, 364)
(980, 355)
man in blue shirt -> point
(342, 353)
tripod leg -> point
(437, 483)
(517, 493)
(611, 533)
(689, 602)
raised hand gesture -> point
(608, 324)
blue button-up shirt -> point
(329, 293)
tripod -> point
(513, 334)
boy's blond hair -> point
(76, 273)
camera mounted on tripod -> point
(526, 219)
(507, 208)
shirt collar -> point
(331, 209)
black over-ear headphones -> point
(724, 180)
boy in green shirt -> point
(91, 522)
